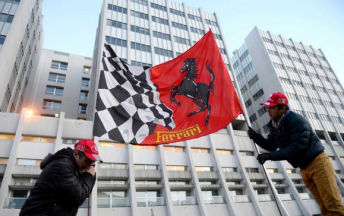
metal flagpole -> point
(268, 178)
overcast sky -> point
(70, 26)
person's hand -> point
(251, 133)
(91, 170)
(263, 157)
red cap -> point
(276, 99)
(89, 148)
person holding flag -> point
(293, 135)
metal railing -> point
(114, 202)
(285, 197)
(241, 199)
(265, 197)
(213, 200)
(150, 201)
(182, 201)
(14, 202)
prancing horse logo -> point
(199, 92)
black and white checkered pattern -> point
(128, 107)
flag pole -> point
(266, 175)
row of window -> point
(244, 55)
(248, 68)
(162, 35)
(54, 105)
(6, 18)
(116, 24)
(59, 65)
(209, 22)
(142, 47)
(160, 20)
(197, 31)
(139, 14)
(140, 30)
(142, 2)
(159, 7)
(180, 26)
(194, 17)
(177, 12)
(60, 78)
(116, 41)
(117, 8)
(164, 52)
(58, 91)
(141, 64)
(252, 81)
(182, 40)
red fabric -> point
(225, 104)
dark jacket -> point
(295, 139)
(60, 189)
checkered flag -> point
(128, 106)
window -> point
(2, 39)
(197, 31)
(229, 169)
(332, 157)
(224, 152)
(167, 53)
(173, 182)
(243, 89)
(83, 95)
(52, 105)
(142, 2)
(146, 182)
(276, 65)
(141, 47)
(59, 65)
(271, 170)
(180, 26)
(140, 64)
(248, 68)
(7, 136)
(174, 148)
(51, 90)
(182, 40)
(222, 51)
(246, 153)
(193, 17)
(253, 118)
(159, 7)
(57, 78)
(144, 147)
(111, 144)
(252, 170)
(267, 40)
(145, 167)
(252, 81)
(177, 12)
(211, 22)
(117, 8)
(116, 41)
(26, 162)
(248, 103)
(140, 30)
(258, 95)
(262, 111)
(47, 140)
(273, 52)
(291, 170)
(176, 168)
(69, 141)
(85, 82)
(87, 70)
(139, 14)
(203, 169)
(112, 166)
(82, 108)
(200, 150)
(116, 24)
(160, 20)
(240, 76)
(244, 55)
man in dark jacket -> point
(66, 181)
(293, 135)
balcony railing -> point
(114, 202)
(265, 197)
(213, 200)
(285, 197)
(241, 199)
(151, 201)
(17, 203)
(14, 202)
(182, 201)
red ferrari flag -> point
(188, 97)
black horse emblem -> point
(198, 92)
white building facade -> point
(20, 46)
(61, 84)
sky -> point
(70, 26)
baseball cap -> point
(276, 99)
(89, 148)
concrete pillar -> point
(58, 140)
(12, 159)
(132, 188)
